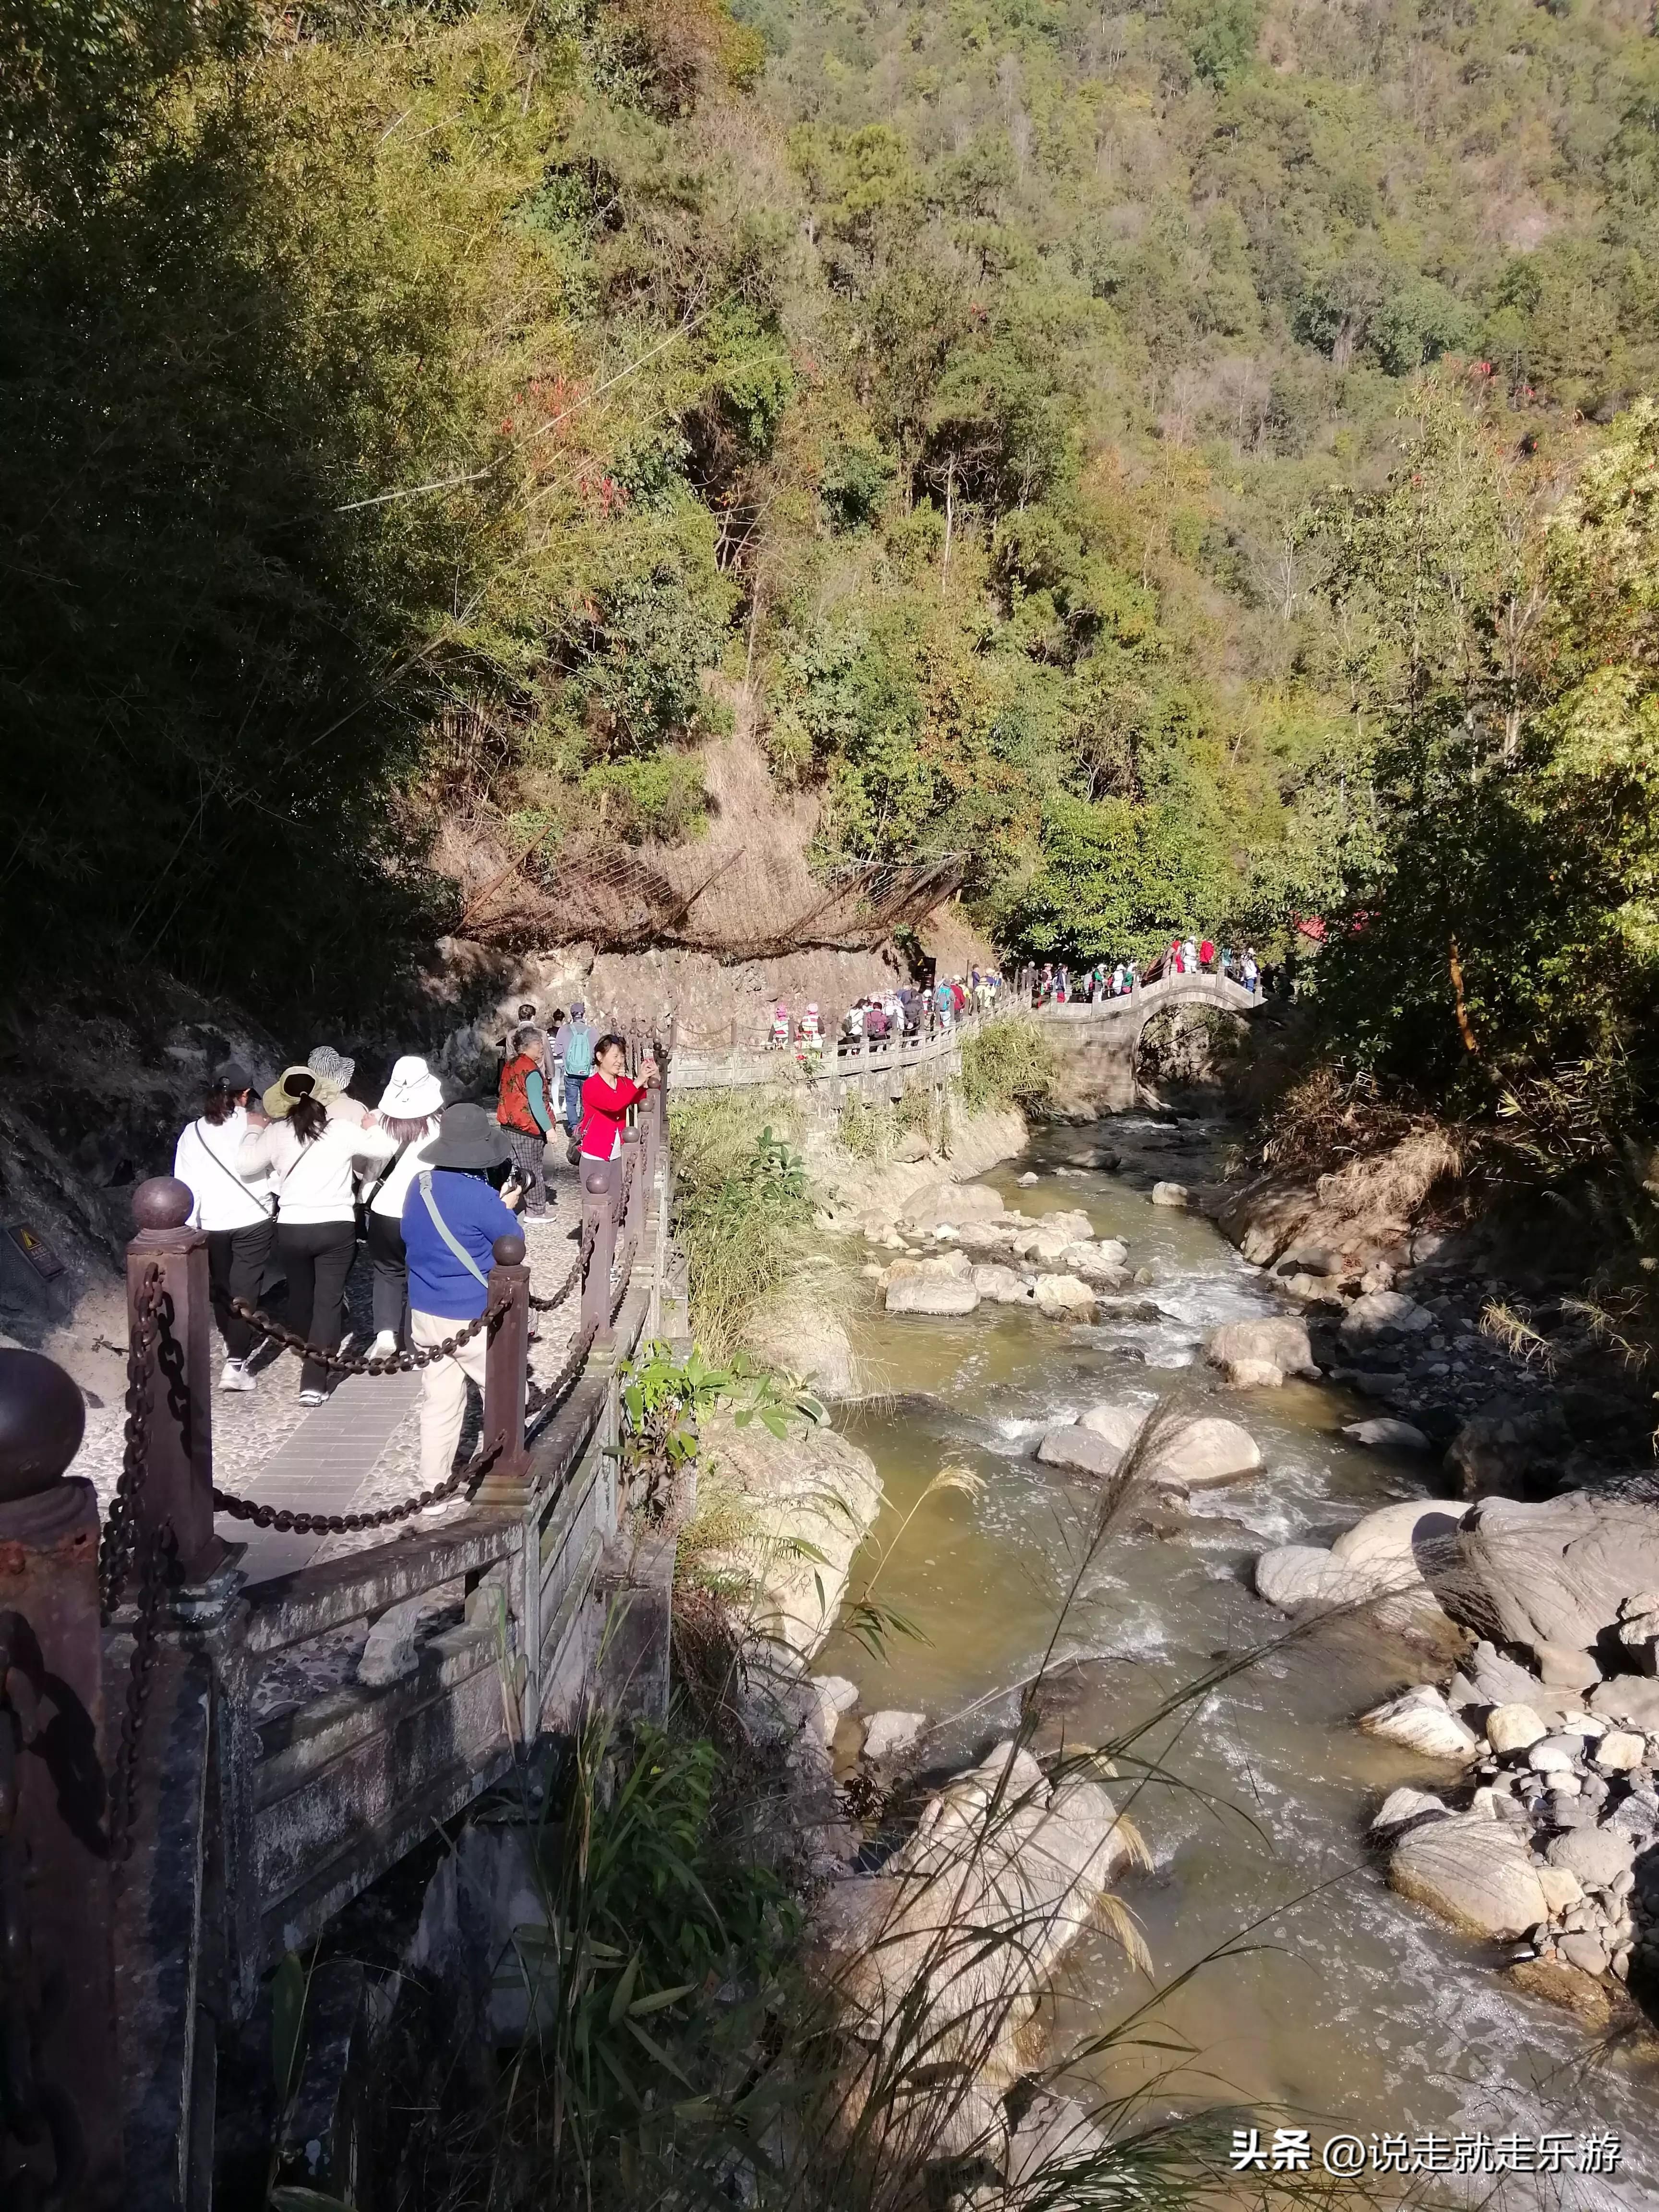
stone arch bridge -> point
(1099, 1044)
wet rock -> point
(1194, 1453)
(1298, 1576)
(1169, 1193)
(1403, 1807)
(1587, 2000)
(835, 1696)
(913, 1934)
(1002, 1286)
(1279, 1344)
(939, 1294)
(1098, 1265)
(1383, 1433)
(1064, 1297)
(1477, 1874)
(951, 1202)
(1422, 1720)
(890, 1734)
(1028, 1179)
(1076, 1446)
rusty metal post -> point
(598, 1212)
(61, 2099)
(506, 1362)
(178, 1489)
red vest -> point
(513, 1110)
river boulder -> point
(1074, 1445)
(969, 1920)
(1064, 1297)
(1476, 1873)
(1194, 1453)
(1098, 1265)
(1169, 1193)
(931, 1294)
(1298, 1577)
(1419, 1719)
(1383, 1433)
(1246, 1350)
(1403, 1540)
(1002, 1286)
(955, 1202)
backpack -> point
(578, 1051)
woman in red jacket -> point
(606, 1096)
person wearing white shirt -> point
(409, 1110)
(313, 1161)
(234, 1209)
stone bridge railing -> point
(163, 1841)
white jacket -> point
(314, 1182)
(389, 1197)
(206, 1157)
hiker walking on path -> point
(313, 1161)
(234, 1210)
(606, 1096)
(574, 1045)
(524, 1110)
(451, 1220)
(409, 1110)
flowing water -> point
(1354, 2012)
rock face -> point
(1356, 1217)
(1036, 1867)
(1243, 1350)
(1421, 1720)
(932, 1294)
(1472, 1871)
(1557, 1572)
(815, 1486)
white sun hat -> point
(412, 1090)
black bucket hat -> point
(467, 1138)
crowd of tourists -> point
(882, 1017)
(294, 1182)
(1057, 985)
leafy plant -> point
(663, 1399)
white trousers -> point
(443, 1392)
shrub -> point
(1008, 1062)
(742, 1204)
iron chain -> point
(578, 1268)
(115, 1550)
(153, 1576)
(287, 1522)
(345, 1363)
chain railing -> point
(345, 1363)
(115, 1549)
(288, 1523)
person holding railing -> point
(452, 1218)
(607, 1095)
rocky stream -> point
(1372, 1910)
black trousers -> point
(386, 1252)
(317, 1257)
(236, 1266)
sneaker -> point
(236, 1376)
(385, 1346)
(313, 1397)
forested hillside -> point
(452, 416)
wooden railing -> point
(169, 1825)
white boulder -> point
(1478, 1874)
(1514, 1728)
(1384, 1433)
(1169, 1193)
(1384, 1313)
(1064, 1297)
(888, 1735)
(936, 1294)
(1420, 1720)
